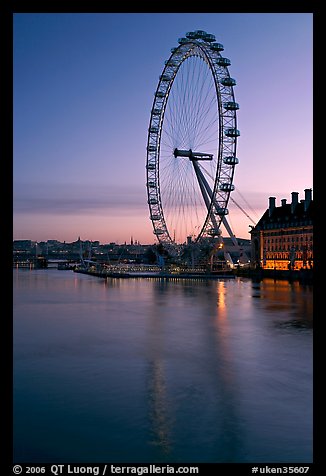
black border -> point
(8, 9)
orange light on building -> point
(283, 237)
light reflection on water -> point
(161, 371)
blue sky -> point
(83, 91)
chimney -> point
(307, 198)
(295, 200)
(271, 205)
(283, 201)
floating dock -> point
(158, 275)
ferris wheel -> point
(192, 139)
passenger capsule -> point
(226, 187)
(209, 38)
(217, 47)
(214, 232)
(223, 61)
(231, 106)
(231, 132)
(230, 160)
(221, 211)
(151, 166)
(200, 34)
(153, 129)
(228, 82)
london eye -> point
(192, 141)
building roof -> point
(282, 216)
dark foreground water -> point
(153, 372)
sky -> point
(83, 88)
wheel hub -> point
(192, 155)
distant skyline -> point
(83, 92)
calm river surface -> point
(149, 371)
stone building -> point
(283, 237)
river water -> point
(150, 371)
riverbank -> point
(304, 276)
